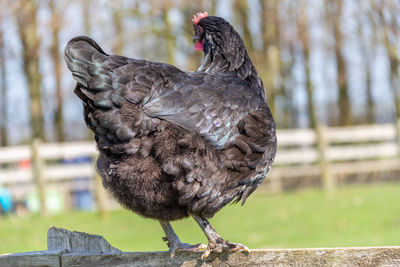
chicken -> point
(173, 143)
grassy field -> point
(357, 216)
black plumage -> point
(175, 143)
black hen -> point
(175, 143)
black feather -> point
(173, 142)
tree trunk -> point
(366, 46)
(241, 9)
(87, 27)
(289, 111)
(27, 28)
(118, 45)
(86, 16)
(334, 12)
(169, 38)
(302, 25)
(3, 93)
(55, 56)
(390, 29)
(387, 27)
(270, 59)
(370, 109)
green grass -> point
(357, 216)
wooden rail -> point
(301, 152)
(67, 248)
(335, 152)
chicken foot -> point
(215, 242)
(174, 243)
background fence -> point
(327, 154)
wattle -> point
(198, 46)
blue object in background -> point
(82, 200)
(5, 200)
(78, 160)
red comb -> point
(199, 16)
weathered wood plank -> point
(76, 242)
(81, 249)
(374, 256)
(31, 259)
(384, 256)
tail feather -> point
(81, 55)
(102, 86)
(83, 42)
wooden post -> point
(328, 180)
(275, 184)
(99, 192)
(77, 242)
(398, 136)
(37, 174)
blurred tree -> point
(27, 29)
(117, 17)
(86, 16)
(388, 18)
(169, 37)
(334, 13)
(270, 60)
(390, 33)
(289, 106)
(287, 45)
(366, 45)
(3, 91)
(56, 24)
(87, 28)
(304, 38)
(242, 14)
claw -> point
(185, 247)
(237, 247)
(223, 246)
(206, 253)
(202, 246)
(215, 242)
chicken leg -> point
(174, 243)
(215, 242)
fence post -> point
(328, 179)
(275, 184)
(37, 174)
(398, 135)
(99, 192)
